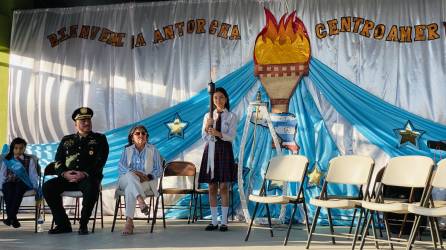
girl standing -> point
(217, 165)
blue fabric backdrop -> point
(374, 118)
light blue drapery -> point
(374, 118)
(237, 84)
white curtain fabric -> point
(408, 75)
(124, 85)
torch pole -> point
(211, 90)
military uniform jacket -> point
(88, 154)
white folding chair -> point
(403, 171)
(153, 204)
(287, 168)
(430, 208)
(348, 170)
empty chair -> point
(403, 171)
(287, 168)
(178, 169)
(349, 170)
(430, 208)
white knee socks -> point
(224, 215)
(214, 216)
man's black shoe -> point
(83, 230)
(60, 230)
(211, 227)
(7, 222)
(15, 223)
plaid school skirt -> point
(225, 169)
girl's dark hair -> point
(223, 91)
(15, 141)
(132, 131)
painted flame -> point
(283, 43)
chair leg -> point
(307, 221)
(437, 230)
(195, 216)
(374, 231)
(36, 216)
(413, 232)
(190, 209)
(379, 224)
(155, 211)
(402, 226)
(95, 215)
(115, 214)
(433, 233)
(102, 210)
(313, 227)
(76, 208)
(120, 209)
(162, 206)
(151, 203)
(252, 221)
(366, 213)
(269, 220)
(290, 225)
(201, 207)
(353, 221)
(232, 201)
(330, 223)
(355, 237)
(369, 218)
(2, 204)
(389, 234)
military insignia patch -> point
(83, 111)
(70, 159)
(68, 143)
(57, 165)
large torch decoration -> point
(281, 56)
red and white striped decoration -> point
(278, 70)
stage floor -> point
(177, 235)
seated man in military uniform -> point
(80, 159)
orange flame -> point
(286, 42)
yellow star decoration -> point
(314, 178)
(409, 134)
(176, 127)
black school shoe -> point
(60, 230)
(223, 228)
(83, 230)
(211, 227)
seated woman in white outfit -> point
(139, 171)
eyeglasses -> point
(140, 133)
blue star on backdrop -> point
(408, 135)
(176, 127)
